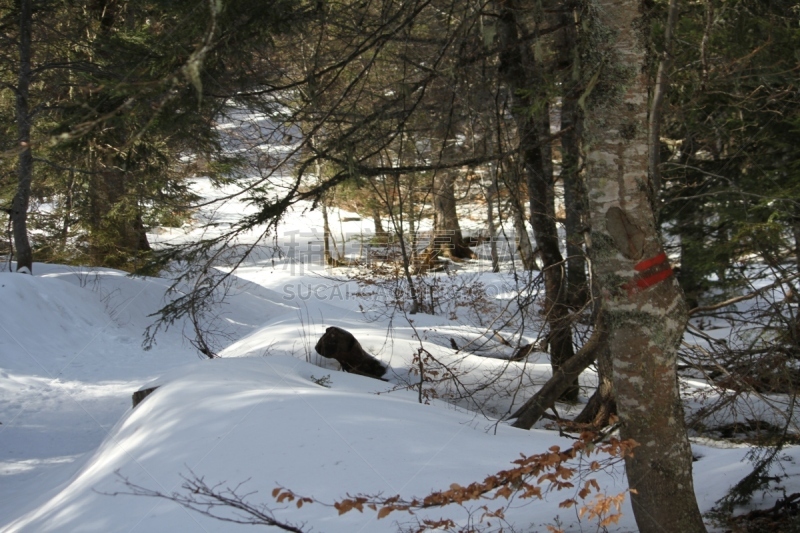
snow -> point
(260, 417)
(71, 357)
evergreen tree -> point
(119, 105)
(731, 177)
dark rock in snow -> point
(140, 395)
(341, 345)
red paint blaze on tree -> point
(642, 303)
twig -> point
(741, 298)
(207, 500)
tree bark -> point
(522, 72)
(447, 238)
(376, 219)
(523, 241)
(643, 305)
(491, 194)
(117, 236)
(562, 380)
(19, 205)
(327, 257)
(659, 91)
(603, 403)
(571, 177)
(796, 231)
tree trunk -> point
(642, 303)
(603, 403)
(66, 221)
(690, 228)
(796, 231)
(562, 380)
(447, 237)
(659, 91)
(19, 205)
(571, 177)
(522, 72)
(327, 257)
(117, 236)
(542, 201)
(376, 219)
(523, 241)
(575, 223)
(491, 194)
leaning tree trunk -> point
(562, 380)
(602, 405)
(19, 205)
(643, 305)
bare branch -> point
(211, 501)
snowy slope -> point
(71, 358)
(71, 355)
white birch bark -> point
(642, 302)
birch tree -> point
(643, 306)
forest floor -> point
(270, 412)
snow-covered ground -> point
(270, 412)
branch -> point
(207, 500)
(523, 480)
(562, 379)
(61, 167)
(741, 298)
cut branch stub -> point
(628, 237)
